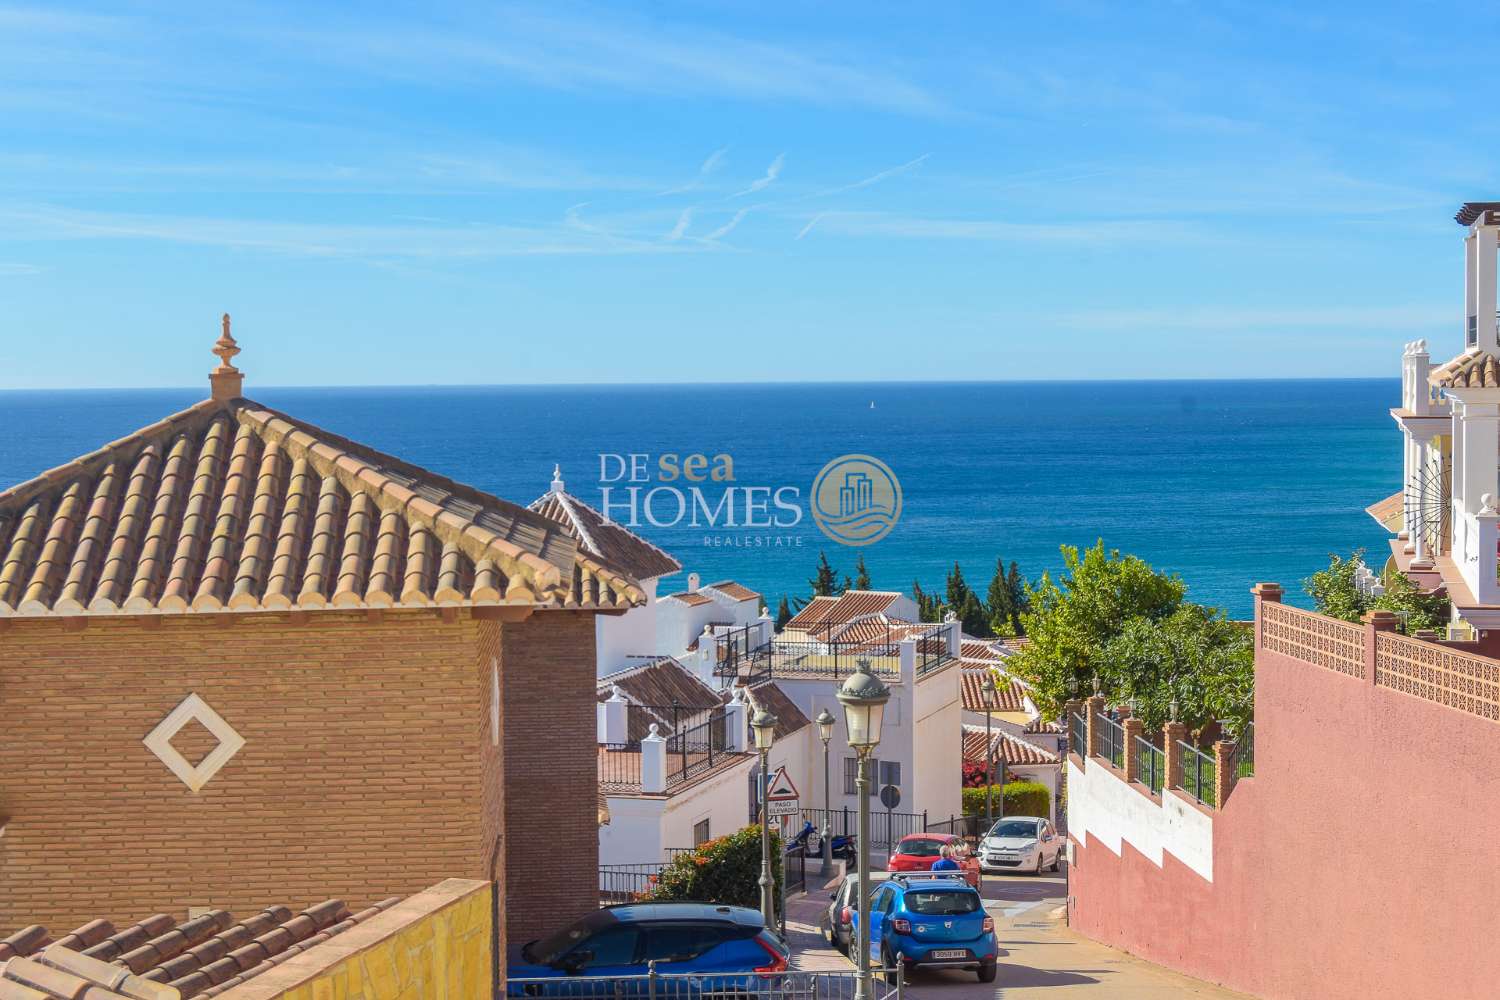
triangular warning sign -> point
(782, 788)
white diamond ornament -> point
(193, 709)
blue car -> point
(931, 922)
(724, 947)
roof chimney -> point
(692, 584)
(226, 382)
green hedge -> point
(723, 870)
(1022, 798)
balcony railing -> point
(1111, 740)
(836, 659)
(1151, 764)
(619, 767)
(697, 750)
(1198, 774)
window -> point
(890, 772)
(851, 775)
(679, 942)
(700, 832)
(615, 946)
(942, 904)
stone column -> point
(1133, 729)
(614, 718)
(735, 728)
(1172, 734)
(653, 763)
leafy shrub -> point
(723, 870)
(1021, 798)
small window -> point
(700, 832)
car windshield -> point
(1014, 828)
(552, 947)
(941, 902)
(920, 848)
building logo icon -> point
(856, 500)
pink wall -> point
(1362, 860)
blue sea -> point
(1222, 482)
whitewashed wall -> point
(1113, 813)
(620, 639)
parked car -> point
(1020, 844)
(916, 852)
(931, 921)
(842, 902)
(730, 946)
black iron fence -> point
(1078, 735)
(1151, 764)
(1111, 740)
(739, 650)
(697, 750)
(626, 883)
(886, 828)
(619, 767)
(1242, 761)
(794, 871)
(932, 649)
(1197, 774)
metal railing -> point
(794, 871)
(1242, 761)
(886, 828)
(1197, 774)
(1078, 735)
(619, 767)
(739, 647)
(710, 986)
(697, 750)
(1151, 764)
(1111, 740)
(932, 649)
(673, 718)
(627, 883)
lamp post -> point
(825, 733)
(988, 687)
(863, 697)
(764, 725)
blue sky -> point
(735, 191)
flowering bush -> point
(723, 870)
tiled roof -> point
(232, 505)
(604, 539)
(1389, 513)
(160, 959)
(770, 696)
(1010, 692)
(852, 604)
(1471, 211)
(1040, 726)
(1473, 369)
(734, 591)
(692, 598)
(651, 688)
(1013, 749)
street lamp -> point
(863, 697)
(764, 724)
(988, 687)
(825, 733)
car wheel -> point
(987, 972)
(1057, 861)
(891, 975)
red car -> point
(916, 852)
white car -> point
(1020, 844)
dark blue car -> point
(726, 947)
(931, 921)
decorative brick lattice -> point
(1303, 635)
(1426, 670)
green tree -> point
(825, 582)
(1073, 618)
(861, 574)
(1333, 591)
(848, 584)
(973, 617)
(929, 608)
(998, 602)
(958, 588)
(783, 613)
(1334, 594)
(723, 870)
(1195, 657)
(1020, 600)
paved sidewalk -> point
(1043, 959)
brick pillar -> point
(1224, 776)
(1093, 707)
(1133, 729)
(1172, 733)
(1376, 621)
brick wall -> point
(358, 779)
(551, 772)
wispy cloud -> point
(895, 225)
(761, 183)
(14, 270)
(877, 178)
(727, 227)
(809, 227)
(715, 159)
(680, 229)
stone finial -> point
(557, 479)
(1487, 504)
(226, 381)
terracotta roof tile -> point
(1014, 749)
(692, 598)
(159, 959)
(651, 689)
(734, 591)
(1473, 369)
(1040, 726)
(1010, 692)
(234, 505)
(770, 696)
(604, 539)
(824, 612)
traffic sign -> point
(781, 787)
(890, 797)
(783, 807)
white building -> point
(1446, 516)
